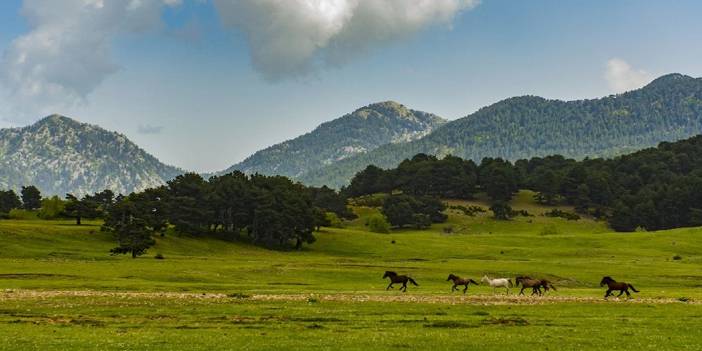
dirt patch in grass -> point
(506, 321)
(36, 276)
(449, 325)
(485, 300)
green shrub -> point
(17, 213)
(51, 208)
(562, 214)
(334, 220)
(378, 224)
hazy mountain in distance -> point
(358, 132)
(60, 155)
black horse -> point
(613, 285)
(460, 281)
(394, 278)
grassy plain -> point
(61, 290)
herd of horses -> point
(526, 282)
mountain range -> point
(61, 155)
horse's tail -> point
(473, 281)
(412, 281)
(552, 287)
(633, 288)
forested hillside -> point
(668, 109)
(652, 189)
(360, 131)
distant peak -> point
(669, 79)
(57, 119)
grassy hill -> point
(62, 290)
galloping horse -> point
(460, 281)
(497, 283)
(394, 278)
(615, 285)
(534, 284)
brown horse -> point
(615, 285)
(394, 278)
(534, 284)
(460, 281)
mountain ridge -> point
(362, 130)
(61, 155)
(667, 109)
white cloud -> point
(622, 77)
(66, 54)
(149, 129)
(293, 37)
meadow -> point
(60, 289)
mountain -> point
(667, 109)
(60, 155)
(358, 132)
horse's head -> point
(451, 277)
(485, 279)
(389, 274)
(606, 280)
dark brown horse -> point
(613, 285)
(534, 284)
(460, 281)
(394, 278)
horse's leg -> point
(389, 287)
(521, 292)
(404, 287)
(621, 292)
(628, 296)
(466, 289)
(453, 288)
(609, 291)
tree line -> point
(653, 189)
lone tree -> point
(78, 209)
(501, 210)
(133, 237)
(31, 197)
(8, 201)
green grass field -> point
(61, 290)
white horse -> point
(497, 283)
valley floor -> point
(60, 290)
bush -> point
(468, 211)
(374, 200)
(159, 256)
(378, 224)
(677, 258)
(334, 220)
(501, 211)
(51, 208)
(448, 229)
(562, 214)
(17, 213)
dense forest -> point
(656, 188)
(668, 109)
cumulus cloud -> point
(66, 53)
(149, 129)
(294, 37)
(622, 77)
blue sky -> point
(193, 82)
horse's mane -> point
(390, 273)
